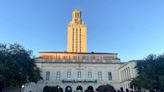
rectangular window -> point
(99, 75)
(47, 75)
(58, 75)
(73, 39)
(79, 75)
(76, 40)
(68, 75)
(92, 57)
(80, 39)
(109, 76)
(89, 75)
(74, 57)
(83, 57)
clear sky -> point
(131, 28)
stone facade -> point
(127, 74)
(78, 68)
(93, 70)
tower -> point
(77, 37)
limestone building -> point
(78, 69)
(77, 38)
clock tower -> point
(77, 37)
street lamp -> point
(22, 88)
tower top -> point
(76, 16)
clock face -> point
(76, 20)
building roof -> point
(81, 62)
(126, 63)
(81, 52)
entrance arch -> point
(68, 89)
(79, 88)
(46, 89)
(90, 89)
(59, 89)
(52, 89)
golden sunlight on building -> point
(76, 70)
(76, 41)
(78, 57)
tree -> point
(17, 66)
(150, 72)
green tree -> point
(150, 72)
(17, 66)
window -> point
(80, 39)
(129, 76)
(92, 57)
(89, 75)
(99, 75)
(64, 57)
(47, 75)
(68, 75)
(109, 76)
(73, 39)
(58, 57)
(79, 75)
(69, 57)
(83, 57)
(74, 57)
(76, 40)
(58, 75)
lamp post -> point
(22, 88)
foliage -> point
(150, 72)
(17, 66)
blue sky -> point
(131, 28)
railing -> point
(76, 61)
